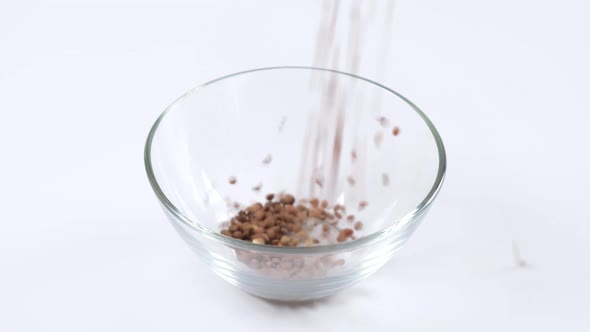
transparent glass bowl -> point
(230, 126)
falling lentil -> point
(363, 204)
(351, 181)
(385, 179)
(383, 121)
(358, 225)
(319, 182)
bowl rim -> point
(403, 222)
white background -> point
(84, 245)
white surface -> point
(85, 247)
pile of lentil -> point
(282, 222)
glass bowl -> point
(306, 131)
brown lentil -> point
(319, 182)
(288, 199)
(258, 240)
(351, 180)
(285, 240)
(314, 202)
(344, 234)
(254, 207)
(232, 180)
(363, 204)
(395, 131)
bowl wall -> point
(280, 130)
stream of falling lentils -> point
(284, 220)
